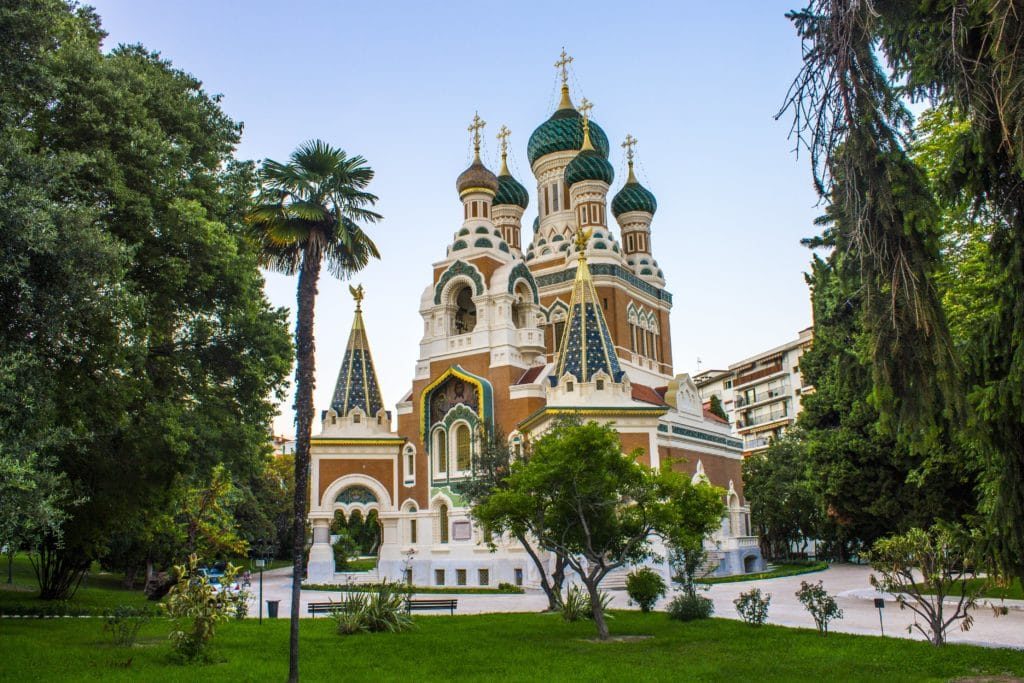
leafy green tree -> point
(784, 503)
(862, 61)
(133, 302)
(600, 509)
(309, 210)
(492, 465)
(717, 408)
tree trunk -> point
(553, 588)
(557, 580)
(595, 607)
(305, 365)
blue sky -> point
(697, 83)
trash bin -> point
(272, 608)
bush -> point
(820, 604)
(345, 548)
(753, 606)
(124, 624)
(690, 607)
(645, 586)
(576, 604)
(197, 607)
(384, 610)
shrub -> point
(124, 624)
(753, 606)
(645, 586)
(576, 604)
(819, 603)
(687, 607)
(384, 610)
(344, 549)
(197, 607)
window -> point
(585, 214)
(355, 418)
(408, 576)
(568, 386)
(600, 385)
(460, 577)
(412, 531)
(441, 452)
(487, 213)
(463, 448)
(554, 196)
(546, 210)
(565, 195)
(559, 331)
(519, 576)
(728, 384)
(443, 522)
(484, 576)
(475, 210)
(410, 464)
(465, 311)
(438, 577)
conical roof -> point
(357, 385)
(586, 347)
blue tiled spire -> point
(357, 385)
(586, 347)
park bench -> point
(316, 608)
(448, 604)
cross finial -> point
(357, 294)
(628, 144)
(562, 65)
(585, 107)
(502, 136)
(475, 127)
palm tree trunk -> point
(305, 365)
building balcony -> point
(757, 374)
(530, 338)
(763, 419)
(763, 397)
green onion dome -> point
(476, 177)
(589, 165)
(510, 190)
(633, 197)
(564, 132)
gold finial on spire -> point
(585, 107)
(475, 127)
(582, 237)
(562, 65)
(502, 136)
(628, 144)
(357, 294)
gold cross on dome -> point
(628, 144)
(503, 134)
(585, 107)
(357, 294)
(475, 128)
(562, 64)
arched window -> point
(441, 452)
(463, 448)
(465, 311)
(522, 306)
(442, 514)
(410, 464)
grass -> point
(99, 592)
(515, 647)
(443, 590)
(779, 571)
(1012, 592)
(362, 564)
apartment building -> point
(762, 394)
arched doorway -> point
(356, 529)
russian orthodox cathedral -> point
(574, 321)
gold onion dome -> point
(477, 177)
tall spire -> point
(563, 67)
(586, 347)
(357, 385)
(502, 136)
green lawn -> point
(489, 647)
(444, 590)
(362, 564)
(99, 591)
(1011, 592)
(778, 571)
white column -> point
(321, 554)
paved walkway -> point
(848, 582)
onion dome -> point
(477, 177)
(589, 164)
(564, 132)
(633, 197)
(510, 190)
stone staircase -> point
(358, 578)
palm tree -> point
(309, 210)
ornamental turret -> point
(633, 207)
(477, 185)
(510, 201)
(588, 177)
